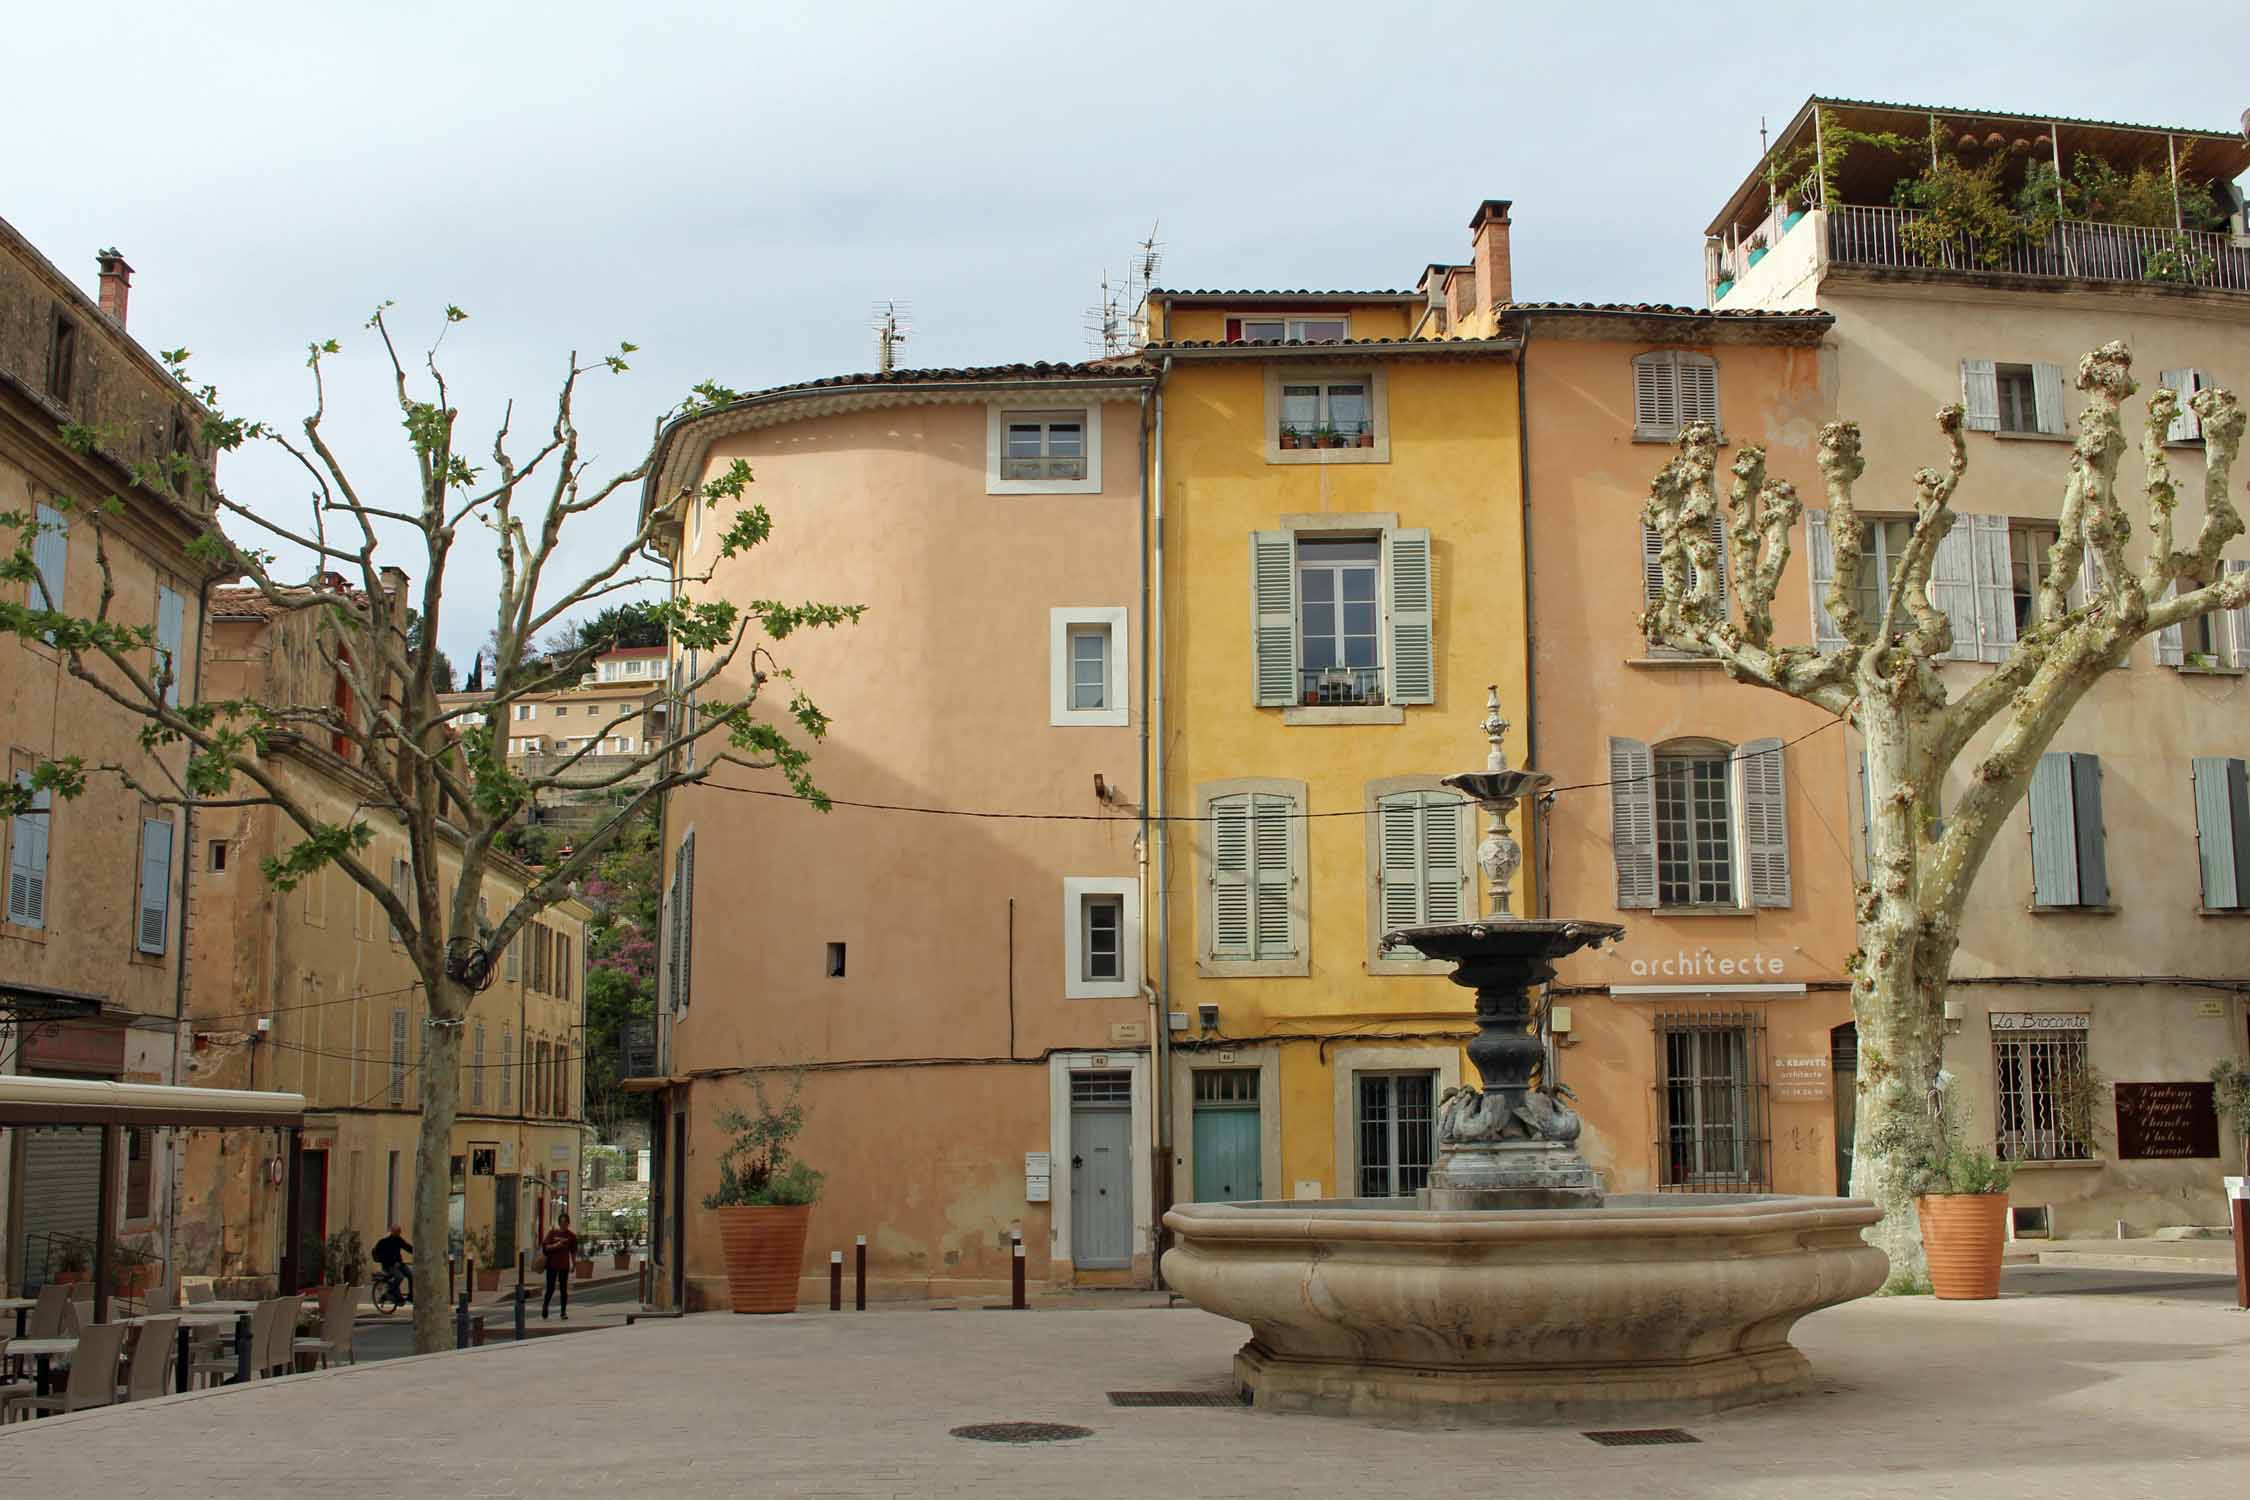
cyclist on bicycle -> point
(390, 1254)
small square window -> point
(1101, 923)
(218, 855)
(1104, 931)
(1089, 667)
(1087, 681)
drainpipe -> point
(1152, 720)
(174, 1157)
(1530, 640)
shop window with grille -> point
(1712, 1102)
(1397, 1133)
(2041, 1087)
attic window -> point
(1276, 330)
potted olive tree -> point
(342, 1261)
(1961, 1197)
(764, 1201)
(479, 1242)
(2230, 1092)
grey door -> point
(1101, 1170)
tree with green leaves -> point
(1924, 850)
(439, 775)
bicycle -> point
(392, 1291)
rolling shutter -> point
(2222, 830)
(1406, 553)
(1765, 821)
(1995, 587)
(61, 1197)
(171, 612)
(1632, 822)
(1953, 588)
(1273, 618)
(1980, 395)
(2047, 397)
(156, 884)
(1820, 572)
(28, 835)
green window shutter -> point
(1980, 395)
(1413, 661)
(2046, 396)
(2093, 858)
(28, 834)
(1399, 832)
(1273, 618)
(50, 556)
(1231, 895)
(1820, 572)
(1270, 872)
(2222, 830)
(156, 883)
(1765, 821)
(1953, 587)
(171, 619)
(1445, 862)
(2054, 832)
(1632, 822)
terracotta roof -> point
(253, 604)
(1643, 321)
(1125, 368)
(1404, 346)
(636, 651)
(1300, 294)
(1662, 310)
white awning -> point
(96, 1101)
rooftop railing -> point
(2077, 249)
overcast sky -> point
(732, 187)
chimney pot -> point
(116, 283)
(1488, 252)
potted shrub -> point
(1292, 438)
(1960, 1196)
(2230, 1092)
(1325, 436)
(479, 1243)
(1366, 436)
(1719, 292)
(132, 1270)
(764, 1202)
(342, 1262)
(621, 1255)
(1757, 248)
(582, 1264)
(69, 1265)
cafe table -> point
(43, 1351)
(21, 1307)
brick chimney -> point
(1488, 252)
(117, 283)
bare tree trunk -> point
(433, 1167)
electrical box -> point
(1037, 1177)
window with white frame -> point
(1697, 825)
(1251, 846)
(526, 711)
(2043, 1088)
(1043, 452)
(1396, 1127)
(1671, 388)
(1086, 666)
(1320, 414)
(1101, 937)
(1713, 1099)
(1320, 328)
(1342, 616)
(2017, 398)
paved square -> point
(2083, 1396)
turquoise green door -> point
(1227, 1135)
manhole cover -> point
(1176, 1398)
(1022, 1432)
(1642, 1437)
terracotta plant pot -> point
(1963, 1235)
(622, 1260)
(582, 1268)
(488, 1278)
(765, 1250)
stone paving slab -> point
(2104, 1397)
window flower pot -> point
(1791, 222)
(1963, 1235)
(765, 1251)
(1719, 292)
(1757, 254)
(1367, 440)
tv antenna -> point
(1118, 323)
(892, 322)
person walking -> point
(561, 1246)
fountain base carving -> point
(1511, 1174)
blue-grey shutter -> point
(50, 554)
(1272, 874)
(1398, 820)
(171, 621)
(1980, 395)
(1765, 821)
(1820, 572)
(2047, 397)
(2222, 830)
(1995, 586)
(2054, 833)
(1953, 587)
(28, 834)
(1273, 618)
(2093, 859)
(156, 883)
(1231, 895)
(1413, 651)
(2186, 425)
(1632, 822)
(683, 897)
(2171, 641)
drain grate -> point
(1177, 1398)
(1642, 1437)
(1022, 1432)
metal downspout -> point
(1530, 638)
(176, 1157)
(1152, 718)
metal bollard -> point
(519, 1296)
(461, 1322)
(1018, 1303)
(242, 1348)
(476, 1331)
(859, 1275)
(835, 1281)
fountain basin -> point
(1647, 1310)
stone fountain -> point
(1513, 1289)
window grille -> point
(1711, 1104)
(1397, 1133)
(2041, 1085)
(1101, 1088)
(1226, 1085)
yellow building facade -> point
(1338, 565)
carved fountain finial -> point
(1497, 790)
